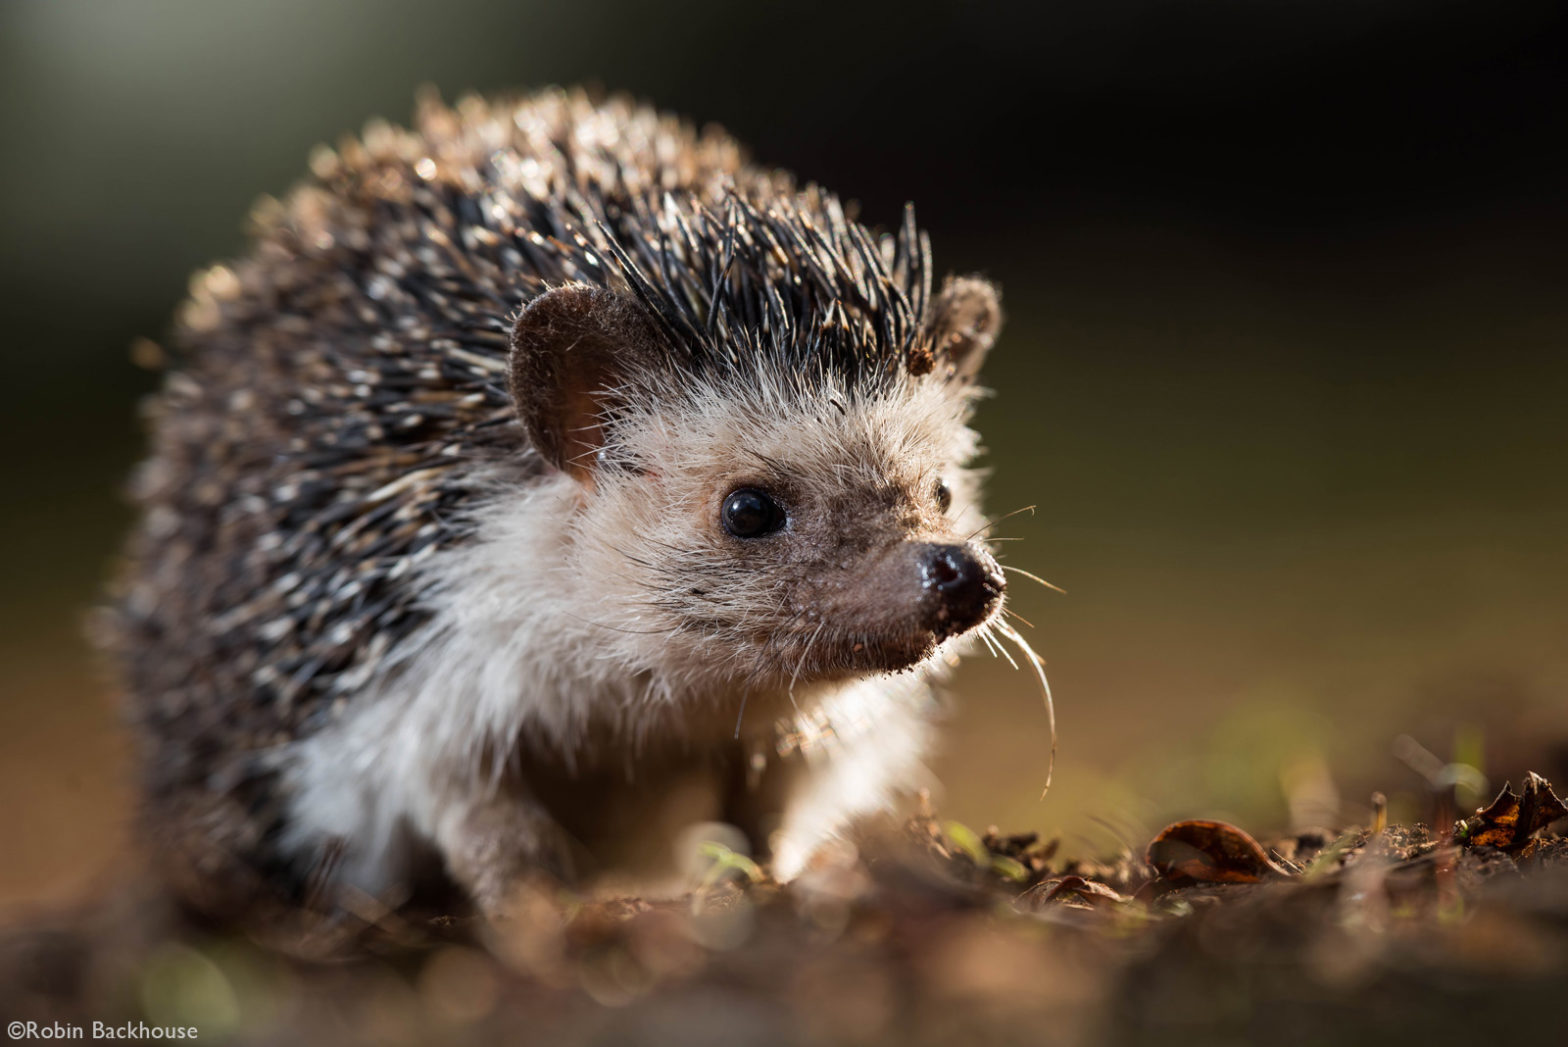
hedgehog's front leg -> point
(856, 773)
(493, 843)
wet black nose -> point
(963, 586)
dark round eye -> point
(748, 513)
(944, 496)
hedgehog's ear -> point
(964, 320)
(572, 349)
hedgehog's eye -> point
(944, 496)
(749, 513)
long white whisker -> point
(984, 632)
(992, 523)
(1007, 655)
(1026, 574)
(1010, 633)
(741, 715)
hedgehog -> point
(547, 480)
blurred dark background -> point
(1285, 369)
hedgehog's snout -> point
(962, 587)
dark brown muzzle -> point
(961, 587)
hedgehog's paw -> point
(502, 848)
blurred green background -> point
(1285, 368)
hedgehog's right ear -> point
(963, 323)
(572, 348)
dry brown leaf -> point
(1512, 820)
(1210, 852)
(1069, 890)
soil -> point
(920, 933)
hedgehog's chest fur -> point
(439, 547)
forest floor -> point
(923, 933)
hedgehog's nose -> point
(963, 585)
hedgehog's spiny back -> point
(740, 268)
